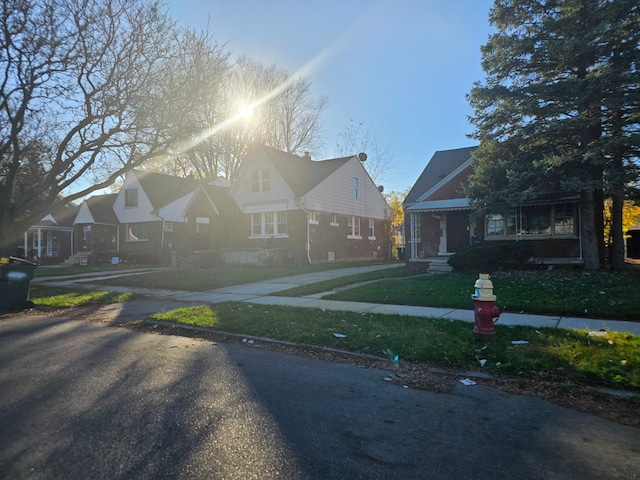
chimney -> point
(307, 156)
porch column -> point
(442, 246)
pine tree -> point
(559, 110)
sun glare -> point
(246, 111)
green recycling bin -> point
(15, 281)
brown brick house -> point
(439, 220)
(310, 211)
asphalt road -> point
(83, 400)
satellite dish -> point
(362, 156)
(380, 188)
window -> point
(372, 229)
(564, 219)
(269, 224)
(334, 220)
(260, 180)
(536, 220)
(137, 232)
(415, 240)
(416, 227)
(266, 180)
(355, 187)
(131, 197)
(255, 181)
(354, 227)
(495, 225)
(541, 220)
(85, 232)
(313, 217)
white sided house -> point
(298, 209)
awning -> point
(441, 205)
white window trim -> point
(313, 217)
(372, 228)
(275, 233)
(352, 224)
(336, 223)
(262, 180)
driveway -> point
(84, 400)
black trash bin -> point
(401, 253)
(15, 281)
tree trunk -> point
(617, 235)
(588, 231)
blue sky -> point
(401, 67)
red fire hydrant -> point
(485, 312)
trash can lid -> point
(19, 261)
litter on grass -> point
(467, 381)
(519, 342)
(339, 335)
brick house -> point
(51, 239)
(309, 211)
(152, 216)
(439, 221)
(282, 208)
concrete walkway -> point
(260, 293)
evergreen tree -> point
(559, 110)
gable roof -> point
(221, 199)
(301, 173)
(442, 164)
(101, 208)
(163, 189)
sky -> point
(401, 67)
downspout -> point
(308, 234)
(162, 244)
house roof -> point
(59, 216)
(101, 208)
(163, 189)
(442, 164)
(301, 173)
(219, 195)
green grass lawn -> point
(62, 297)
(612, 359)
(568, 293)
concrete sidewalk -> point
(260, 293)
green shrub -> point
(491, 256)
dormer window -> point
(131, 197)
(355, 187)
(260, 180)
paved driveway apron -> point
(82, 400)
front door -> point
(457, 231)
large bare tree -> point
(358, 138)
(285, 115)
(90, 90)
